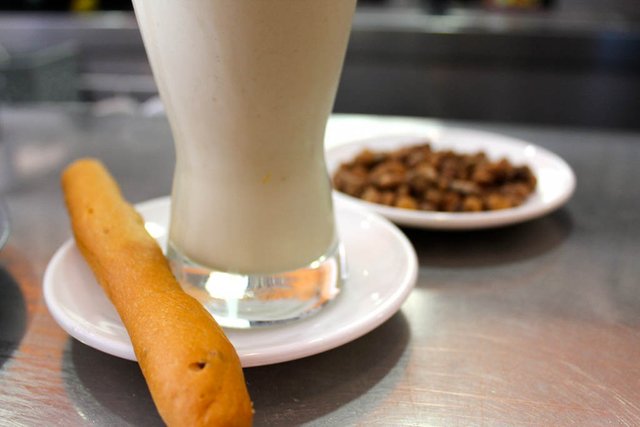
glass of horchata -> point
(248, 87)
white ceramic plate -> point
(556, 180)
(382, 271)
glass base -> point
(253, 300)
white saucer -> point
(556, 180)
(382, 271)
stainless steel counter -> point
(534, 324)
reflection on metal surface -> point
(13, 315)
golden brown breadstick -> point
(191, 368)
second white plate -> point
(556, 180)
(382, 271)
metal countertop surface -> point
(533, 324)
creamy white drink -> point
(248, 86)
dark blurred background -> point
(552, 62)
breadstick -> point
(191, 368)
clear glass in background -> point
(248, 87)
(4, 223)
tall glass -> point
(248, 86)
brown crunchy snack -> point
(418, 177)
(191, 368)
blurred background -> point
(551, 62)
